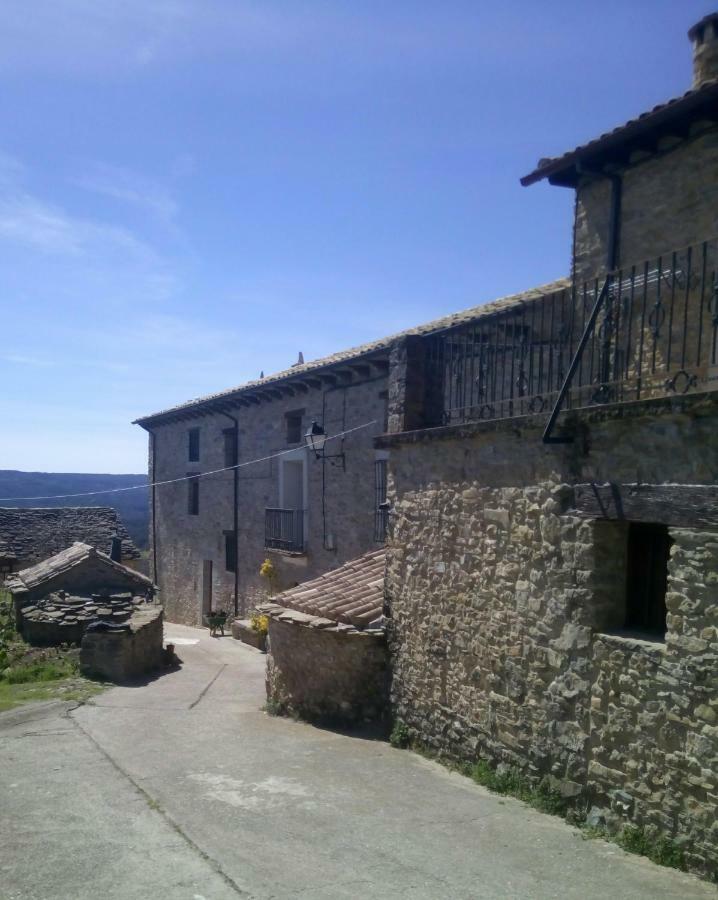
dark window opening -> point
(230, 447)
(646, 578)
(230, 551)
(294, 426)
(193, 445)
(381, 513)
(193, 496)
(384, 396)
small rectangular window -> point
(381, 513)
(384, 397)
(230, 447)
(230, 551)
(193, 445)
(293, 422)
(649, 549)
(193, 496)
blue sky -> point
(192, 191)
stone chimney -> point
(116, 549)
(704, 37)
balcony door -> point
(292, 484)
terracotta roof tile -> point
(353, 594)
(694, 101)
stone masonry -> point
(502, 622)
(339, 522)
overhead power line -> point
(138, 487)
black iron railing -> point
(284, 529)
(640, 332)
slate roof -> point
(64, 561)
(32, 534)
(375, 348)
(353, 594)
(673, 116)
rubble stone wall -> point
(124, 655)
(340, 502)
(502, 605)
(668, 202)
(324, 674)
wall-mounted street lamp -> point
(316, 438)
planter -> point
(242, 630)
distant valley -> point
(131, 506)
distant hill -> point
(132, 506)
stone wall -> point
(668, 202)
(339, 521)
(125, 655)
(502, 605)
(326, 674)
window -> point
(293, 422)
(646, 578)
(630, 578)
(230, 551)
(381, 513)
(384, 397)
(193, 496)
(230, 447)
(193, 445)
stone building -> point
(274, 498)
(327, 656)
(552, 586)
(29, 535)
(82, 596)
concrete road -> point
(183, 788)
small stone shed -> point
(81, 596)
(327, 655)
(27, 536)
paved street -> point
(183, 788)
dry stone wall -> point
(334, 673)
(502, 605)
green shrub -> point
(399, 736)
(662, 850)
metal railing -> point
(640, 332)
(284, 529)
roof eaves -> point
(381, 346)
(558, 169)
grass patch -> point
(513, 783)
(73, 689)
(662, 850)
(37, 673)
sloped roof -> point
(352, 594)
(32, 534)
(672, 117)
(383, 345)
(64, 561)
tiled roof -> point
(375, 347)
(690, 105)
(353, 594)
(33, 534)
(64, 561)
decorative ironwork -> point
(284, 529)
(681, 382)
(642, 331)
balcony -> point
(641, 332)
(284, 529)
